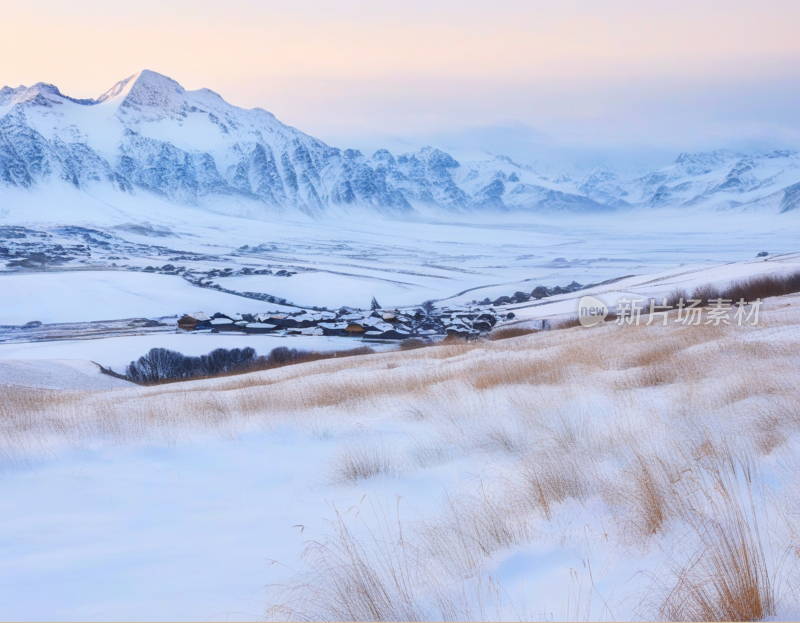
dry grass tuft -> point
(428, 454)
(517, 370)
(565, 323)
(505, 333)
(481, 525)
(363, 459)
(727, 578)
(758, 287)
(649, 376)
(553, 479)
(414, 344)
(646, 490)
(506, 440)
(379, 573)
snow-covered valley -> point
(480, 459)
(184, 259)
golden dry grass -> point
(726, 576)
(361, 459)
(633, 429)
(505, 333)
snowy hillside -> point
(491, 476)
(148, 135)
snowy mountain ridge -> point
(147, 134)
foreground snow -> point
(546, 476)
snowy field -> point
(105, 295)
(660, 284)
(573, 474)
(347, 262)
(540, 477)
(117, 352)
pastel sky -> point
(519, 76)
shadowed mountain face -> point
(147, 134)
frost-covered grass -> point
(626, 472)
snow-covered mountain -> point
(716, 180)
(147, 134)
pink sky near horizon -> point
(400, 68)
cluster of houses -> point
(378, 324)
(539, 292)
(466, 321)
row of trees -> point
(162, 364)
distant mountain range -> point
(147, 134)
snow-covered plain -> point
(106, 295)
(343, 262)
(335, 264)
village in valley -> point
(424, 322)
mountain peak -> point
(146, 89)
(10, 94)
(40, 93)
(598, 177)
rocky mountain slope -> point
(147, 134)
